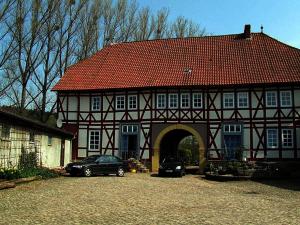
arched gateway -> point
(182, 131)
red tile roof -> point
(214, 60)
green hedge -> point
(10, 174)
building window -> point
(5, 133)
(285, 98)
(287, 138)
(272, 138)
(197, 100)
(185, 100)
(49, 140)
(228, 99)
(271, 98)
(120, 102)
(95, 103)
(129, 129)
(161, 101)
(173, 101)
(94, 141)
(132, 102)
(243, 100)
(232, 128)
(31, 137)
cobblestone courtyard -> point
(142, 199)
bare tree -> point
(183, 27)
(40, 39)
(25, 32)
(127, 21)
(161, 23)
(88, 34)
(6, 49)
(145, 25)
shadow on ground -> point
(290, 184)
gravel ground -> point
(144, 199)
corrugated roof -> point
(213, 60)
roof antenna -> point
(261, 29)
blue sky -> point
(280, 18)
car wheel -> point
(87, 172)
(120, 172)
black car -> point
(171, 167)
(96, 165)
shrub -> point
(10, 174)
(27, 160)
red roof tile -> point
(214, 60)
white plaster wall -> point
(81, 152)
(84, 103)
(246, 138)
(97, 116)
(72, 116)
(64, 102)
(255, 137)
(119, 115)
(50, 153)
(288, 154)
(82, 138)
(227, 114)
(254, 99)
(244, 113)
(271, 112)
(106, 103)
(73, 103)
(260, 154)
(297, 97)
(68, 152)
(145, 155)
(217, 101)
(272, 154)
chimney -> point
(247, 31)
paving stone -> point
(144, 199)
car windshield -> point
(170, 159)
(91, 158)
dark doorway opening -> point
(129, 146)
(180, 144)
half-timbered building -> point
(140, 99)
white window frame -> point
(225, 103)
(132, 102)
(232, 128)
(267, 99)
(120, 99)
(196, 104)
(274, 139)
(130, 129)
(243, 95)
(185, 97)
(173, 101)
(159, 104)
(95, 144)
(282, 100)
(95, 103)
(291, 137)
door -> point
(129, 146)
(102, 165)
(73, 128)
(232, 145)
